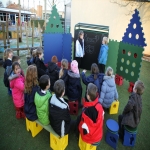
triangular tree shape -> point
(54, 25)
(134, 34)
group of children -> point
(33, 99)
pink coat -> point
(17, 86)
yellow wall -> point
(104, 12)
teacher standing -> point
(79, 53)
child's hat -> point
(74, 67)
(54, 59)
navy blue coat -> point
(29, 106)
(41, 68)
(74, 88)
(6, 63)
(90, 79)
(65, 78)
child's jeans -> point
(20, 112)
(9, 91)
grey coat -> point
(108, 91)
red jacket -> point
(94, 130)
(17, 86)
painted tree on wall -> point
(54, 25)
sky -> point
(34, 3)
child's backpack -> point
(7, 73)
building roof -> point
(16, 11)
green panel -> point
(41, 22)
(127, 65)
(112, 54)
(54, 25)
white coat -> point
(79, 51)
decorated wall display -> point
(55, 41)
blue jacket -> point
(108, 91)
(74, 88)
(90, 79)
(29, 105)
(102, 58)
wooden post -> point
(33, 33)
(17, 38)
(39, 27)
(4, 35)
(26, 28)
(7, 32)
(20, 21)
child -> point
(31, 87)
(108, 91)
(59, 110)
(90, 122)
(131, 115)
(32, 59)
(53, 71)
(41, 100)
(102, 58)
(7, 58)
(74, 88)
(17, 86)
(41, 68)
(63, 74)
(95, 77)
(79, 53)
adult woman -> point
(79, 53)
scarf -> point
(81, 42)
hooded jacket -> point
(102, 57)
(59, 115)
(91, 124)
(17, 86)
(90, 79)
(74, 88)
(41, 68)
(29, 106)
(108, 91)
(53, 71)
(42, 106)
(132, 111)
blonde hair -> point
(31, 78)
(109, 71)
(64, 64)
(6, 53)
(105, 39)
(34, 53)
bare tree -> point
(9, 2)
(1, 4)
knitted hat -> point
(54, 59)
(74, 67)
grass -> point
(14, 136)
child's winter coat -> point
(17, 87)
(108, 91)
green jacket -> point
(42, 106)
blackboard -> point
(92, 44)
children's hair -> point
(92, 91)
(80, 33)
(15, 58)
(31, 78)
(6, 53)
(44, 81)
(59, 87)
(31, 50)
(34, 53)
(39, 51)
(54, 59)
(109, 71)
(94, 70)
(105, 39)
(15, 64)
(64, 65)
(139, 86)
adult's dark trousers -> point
(101, 68)
(79, 60)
